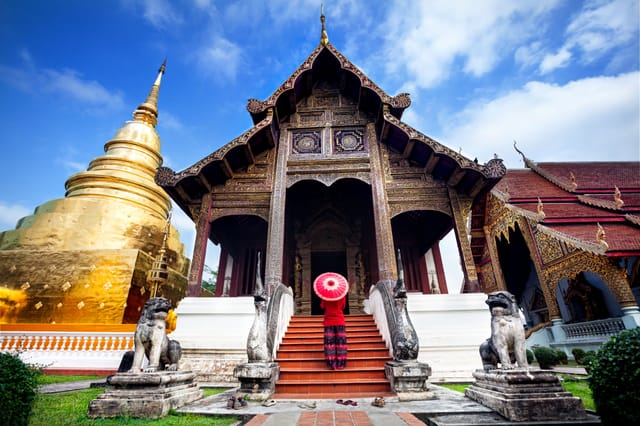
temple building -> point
(85, 258)
(329, 179)
(564, 238)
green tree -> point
(209, 278)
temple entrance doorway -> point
(322, 262)
(329, 229)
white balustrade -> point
(68, 350)
(598, 328)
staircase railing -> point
(279, 313)
(389, 310)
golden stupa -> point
(84, 258)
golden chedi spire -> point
(84, 258)
(131, 158)
(324, 38)
(148, 110)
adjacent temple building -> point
(329, 178)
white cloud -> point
(558, 60)
(594, 119)
(220, 59)
(10, 214)
(68, 83)
(599, 28)
(166, 120)
(603, 25)
(430, 40)
(160, 13)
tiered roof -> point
(326, 63)
(594, 206)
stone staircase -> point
(303, 371)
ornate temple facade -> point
(329, 178)
(564, 238)
(85, 258)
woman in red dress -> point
(335, 334)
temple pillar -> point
(203, 225)
(275, 237)
(382, 222)
(464, 246)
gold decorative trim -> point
(598, 202)
(569, 186)
(588, 246)
(633, 219)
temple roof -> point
(576, 199)
(326, 63)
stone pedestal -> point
(258, 379)
(408, 379)
(521, 395)
(149, 395)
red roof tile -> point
(597, 175)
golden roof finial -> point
(147, 111)
(572, 180)
(324, 38)
(540, 208)
(617, 198)
(601, 236)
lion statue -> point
(507, 343)
(150, 339)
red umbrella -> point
(331, 286)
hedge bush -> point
(614, 378)
(578, 354)
(18, 387)
(530, 356)
(562, 357)
(548, 357)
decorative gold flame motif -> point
(540, 208)
(601, 236)
(617, 198)
(572, 180)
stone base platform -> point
(521, 395)
(149, 395)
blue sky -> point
(560, 77)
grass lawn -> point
(47, 379)
(70, 408)
(578, 388)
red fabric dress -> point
(335, 334)
(333, 311)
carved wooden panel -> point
(346, 141)
(306, 142)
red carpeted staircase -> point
(303, 371)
